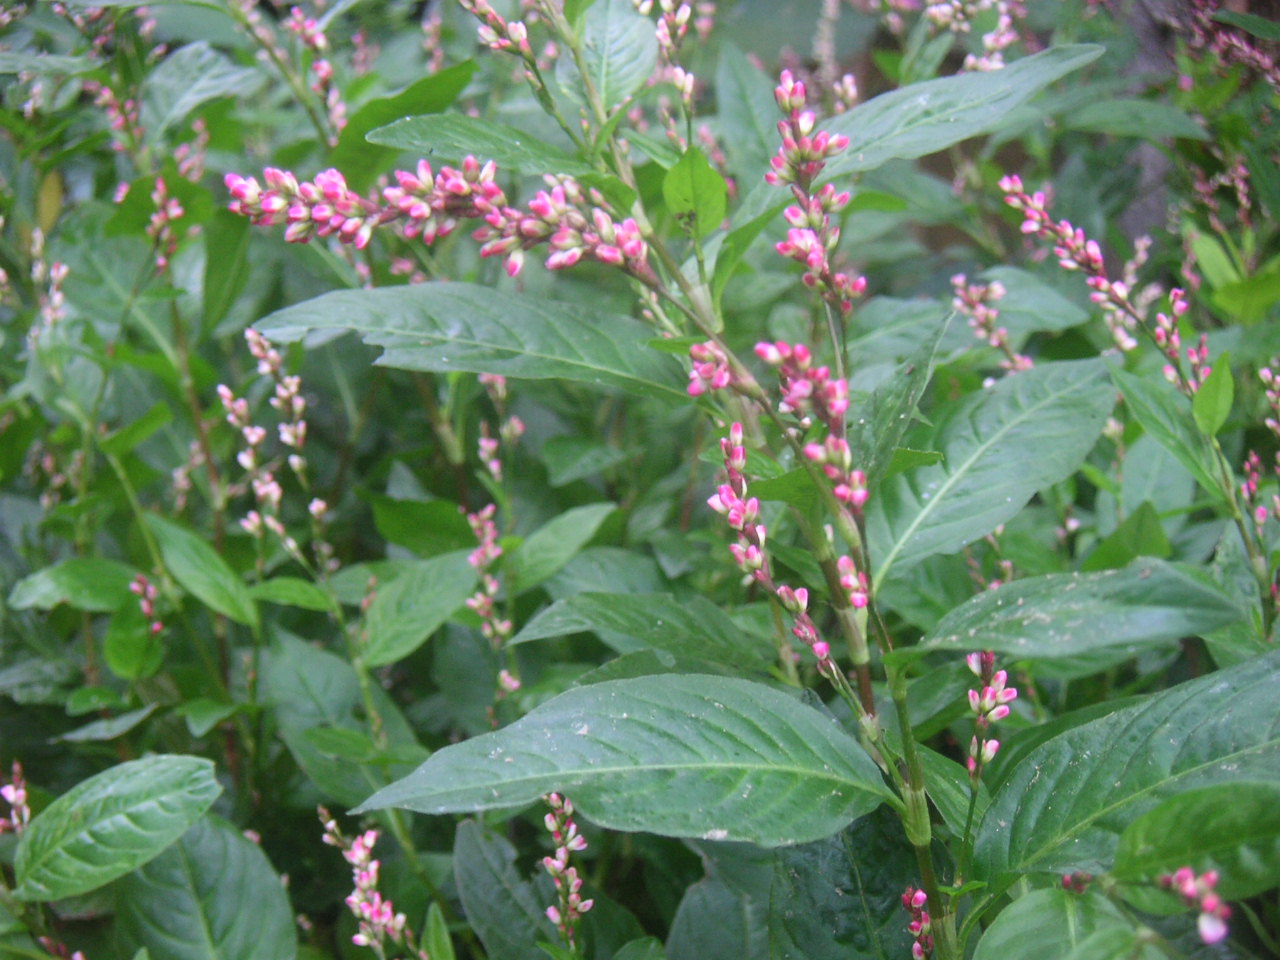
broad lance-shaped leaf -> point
(462, 326)
(1166, 416)
(619, 50)
(1068, 801)
(202, 572)
(211, 896)
(924, 118)
(1068, 614)
(685, 756)
(110, 824)
(502, 907)
(410, 608)
(1052, 915)
(1000, 446)
(628, 622)
(449, 137)
(927, 117)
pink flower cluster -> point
(426, 204)
(307, 29)
(1198, 891)
(914, 902)
(160, 227)
(743, 514)
(483, 602)
(812, 238)
(564, 834)
(495, 32)
(810, 391)
(1169, 340)
(145, 591)
(803, 153)
(988, 706)
(977, 302)
(1075, 251)
(14, 794)
(560, 218)
(124, 117)
(377, 919)
(710, 370)
(958, 16)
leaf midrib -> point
(392, 328)
(599, 772)
(963, 468)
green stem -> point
(915, 820)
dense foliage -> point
(696, 480)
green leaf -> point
(1030, 305)
(449, 137)
(678, 755)
(185, 79)
(132, 651)
(202, 573)
(734, 247)
(110, 824)
(504, 910)
(131, 434)
(840, 898)
(629, 622)
(405, 612)
(211, 896)
(747, 111)
(427, 528)
(1001, 445)
(571, 458)
(342, 743)
(795, 487)
(1163, 413)
(882, 421)
(1233, 828)
(203, 714)
(695, 193)
(291, 592)
(573, 11)
(1068, 614)
(545, 551)
(1251, 298)
(904, 459)
(226, 265)
(93, 700)
(1211, 404)
(356, 158)
(435, 934)
(1127, 942)
(1068, 801)
(108, 728)
(1131, 117)
(949, 789)
(646, 948)
(84, 583)
(1140, 535)
(1215, 263)
(12, 61)
(619, 52)
(307, 688)
(1055, 916)
(1260, 27)
(927, 117)
(459, 326)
